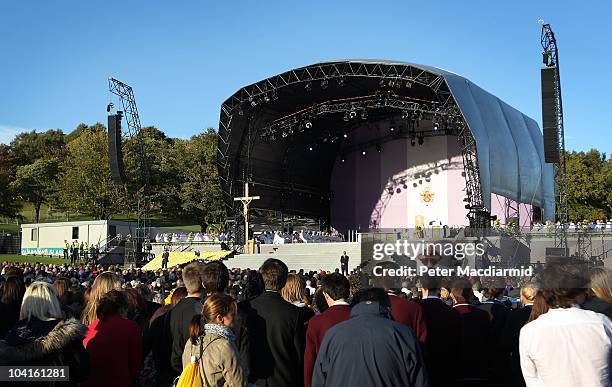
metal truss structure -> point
(253, 100)
(134, 130)
(551, 60)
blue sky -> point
(185, 58)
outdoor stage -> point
(362, 145)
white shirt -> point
(566, 348)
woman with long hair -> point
(103, 284)
(294, 290)
(600, 293)
(214, 348)
(42, 337)
(113, 343)
(10, 302)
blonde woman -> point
(103, 284)
(600, 294)
(42, 337)
(294, 292)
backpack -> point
(191, 377)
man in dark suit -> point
(184, 311)
(344, 263)
(443, 336)
(475, 326)
(510, 335)
(276, 332)
(165, 257)
(498, 314)
(336, 289)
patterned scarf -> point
(220, 330)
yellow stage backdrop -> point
(180, 257)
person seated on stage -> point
(158, 238)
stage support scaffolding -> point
(551, 61)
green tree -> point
(200, 191)
(589, 183)
(31, 146)
(35, 182)
(9, 205)
(85, 184)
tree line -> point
(71, 172)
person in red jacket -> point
(408, 313)
(113, 343)
(335, 289)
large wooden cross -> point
(246, 201)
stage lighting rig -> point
(421, 140)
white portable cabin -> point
(48, 238)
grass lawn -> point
(31, 259)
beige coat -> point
(220, 362)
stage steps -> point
(307, 256)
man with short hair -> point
(370, 349)
(344, 263)
(443, 340)
(336, 290)
(475, 326)
(276, 332)
(566, 346)
(165, 257)
(66, 248)
(184, 311)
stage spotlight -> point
(345, 135)
(274, 95)
(308, 124)
(363, 152)
(352, 114)
(109, 107)
(346, 117)
(310, 148)
(408, 84)
(412, 143)
(382, 83)
(240, 112)
(436, 126)
(343, 159)
(253, 103)
(308, 86)
(378, 148)
(364, 114)
(467, 200)
(324, 84)
(266, 98)
(341, 81)
(421, 140)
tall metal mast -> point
(551, 60)
(126, 94)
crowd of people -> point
(117, 326)
(191, 237)
(302, 236)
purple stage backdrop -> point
(400, 187)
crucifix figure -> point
(246, 200)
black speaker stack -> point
(115, 153)
(549, 116)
